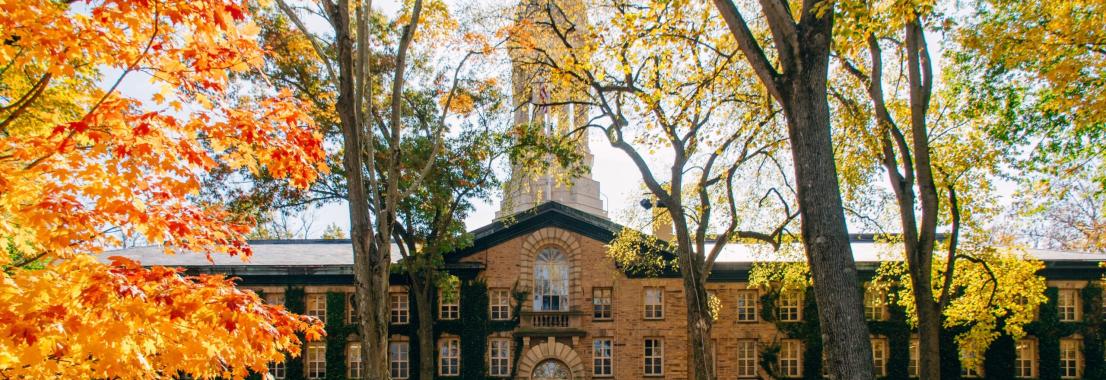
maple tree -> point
(80, 158)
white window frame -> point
(499, 305)
(1022, 364)
(399, 308)
(790, 306)
(279, 371)
(747, 359)
(1071, 358)
(275, 298)
(875, 304)
(449, 310)
(879, 356)
(791, 358)
(602, 301)
(499, 357)
(653, 310)
(602, 354)
(914, 364)
(316, 305)
(315, 361)
(1067, 305)
(747, 305)
(351, 309)
(399, 365)
(552, 280)
(970, 372)
(353, 360)
(449, 357)
(653, 355)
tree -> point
(797, 81)
(662, 77)
(370, 113)
(1064, 213)
(81, 158)
(334, 232)
(1043, 61)
(911, 144)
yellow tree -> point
(1044, 60)
(80, 158)
(667, 90)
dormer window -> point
(551, 281)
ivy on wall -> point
(895, 329)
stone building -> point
(540, 299)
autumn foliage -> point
(84, 163)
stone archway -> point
(564, 241)
(551, 351)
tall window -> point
(1067, 305)
(499, 304)
(747, 358)
(316, 306)
(399, 360)
(879, 356)
(316, 360)
(602, 364)
(449, 357)
(791, 358)
(1025, 359)
(499, 357)
(400, 308)
(1071, 358)
(449, 304)
(602, 300)
(277, 370)
(747, 306)
(351, 309)
(791, 306)
(875, 305)
(551, 281)
(353, 360)
(915, 355)
(969, 371)
(654, 303)
(654, 357)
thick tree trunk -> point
(375, 326)
(799, 85)
(424, 308)
(699, 321)
(371, 285)
(824, 230)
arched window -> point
(551, 370)
(551, 281)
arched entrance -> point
(551, 360)
(551, 369)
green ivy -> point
(294, 301)
(895, 329)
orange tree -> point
(84, 164)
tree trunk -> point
(371, 292)
(824, 230)
(424, 308)
(802, 51)
(699, 321)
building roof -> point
(335, 257)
